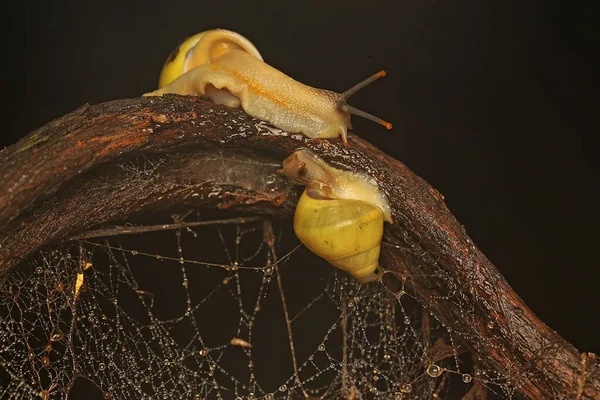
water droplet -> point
(321, 347)
(38, 270)
(101, 367)
(490, 325)
(434, 370)
(406, 320)
(107, 396)
(466, 378)
(282, 388)
(406, 388)
(204, 352)
(270, 396)
(48, 347)
(134, 252)
(398, 396)
(45, 361)
(387, 357)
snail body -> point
(226, 68)
(340, 215)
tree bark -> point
(83, 170)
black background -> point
(492, 103)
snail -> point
(340, 215)
(226, 68)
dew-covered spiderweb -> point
(200, 308)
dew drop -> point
(204, 352)
(38, 270)
(45, 361)
(134, 252)
(321, 347)
(406, 320)
(466, 378)
(282, 388)
(397, 396)
(101, 367)
(490, 325)
(269, 396)
(108, 396)
(406, 388)
(434, 370)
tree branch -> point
(83, 170)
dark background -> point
(492, 103)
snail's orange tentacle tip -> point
(381, 73)
(388, 126)
(278, 200)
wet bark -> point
(106, 162)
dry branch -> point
(72, 175)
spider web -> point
(222, 309)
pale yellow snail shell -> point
(346, 233)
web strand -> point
(188, 307)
